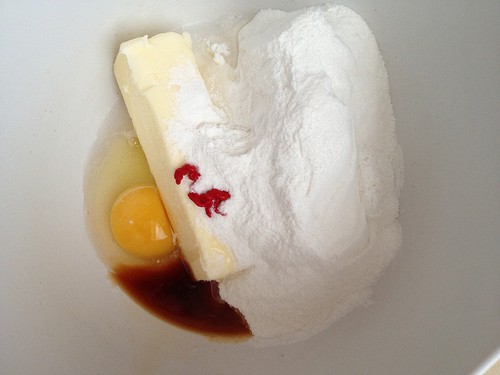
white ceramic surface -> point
(437, 308)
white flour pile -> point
(306, 146)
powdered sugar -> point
(219, 51)
(305, 143)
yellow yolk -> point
(140, 223)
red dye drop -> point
(187, 169)
(209, 199)
(212, 198)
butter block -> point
(144, 71)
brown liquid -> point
(170, 292)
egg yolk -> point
(140, 224)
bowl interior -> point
(435, 310)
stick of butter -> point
(143, 70)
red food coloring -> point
(187, 169)
(209, 199)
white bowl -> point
(436, 309)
